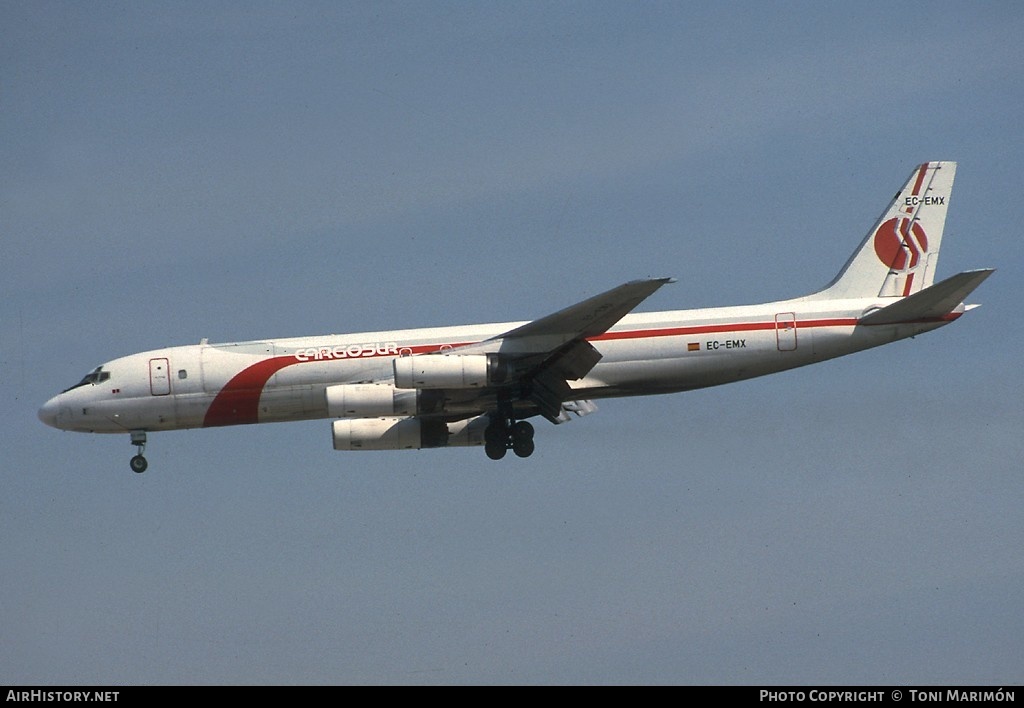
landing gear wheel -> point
(523, 448)
(495, 434)
(505, 433)
(495, 450)
(522, 431)
(138, 464)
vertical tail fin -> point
(899, 255)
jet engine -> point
(370, 401)
(449, 371)
(389, 433)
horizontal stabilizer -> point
(931, 303)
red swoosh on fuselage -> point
(239, 401)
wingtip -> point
(981, 273)
(651, 281)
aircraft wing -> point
(547, 353)
(585, 319)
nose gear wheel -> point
(139, 463)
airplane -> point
(479, 384)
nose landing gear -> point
(138, 463)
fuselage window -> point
(182, 374)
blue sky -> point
(255, 170)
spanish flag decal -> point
(693, 347)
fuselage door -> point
(785, 331)
(159, 379)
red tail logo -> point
(900, 243)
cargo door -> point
(785, 331)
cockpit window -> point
(97, 375)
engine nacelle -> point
(449, 371)
(370, 401)
(406, 433)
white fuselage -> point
(207, 385)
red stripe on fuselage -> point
(709, 329)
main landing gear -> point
(504, 433)
(138, 463)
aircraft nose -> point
(49, 412)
